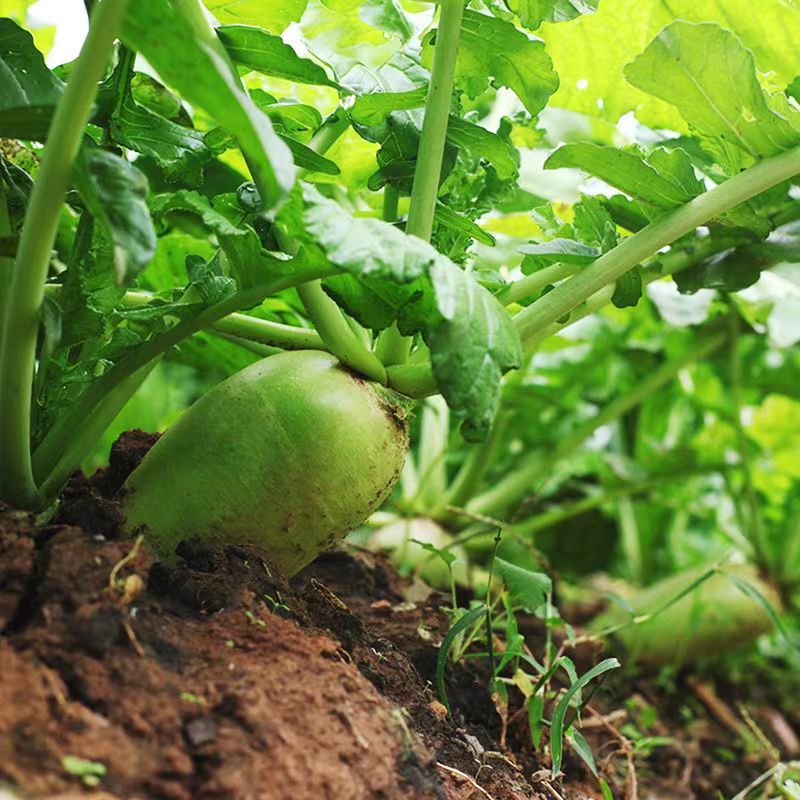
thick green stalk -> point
(241, 326)
(642, 245)
(337, 334)
(331, 324)
(49, 453)
(17, 362)
(425, 189)
(537, 465)
(392, 346)
(434, 127)
(532, 284)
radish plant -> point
(252, 178)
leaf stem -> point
(337, 334)
(242, 326)
(17, 363)
(394, 348)
(434, 127)
(534, 283)
(539, 319)
(642, 245)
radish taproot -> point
(708, 617)
(289, 454)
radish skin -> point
(712, 619)
(289, 454)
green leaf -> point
(372, 109)
(486, 145)
(730, 272)
(593, 223)
(200, 72)
(461, 624)
(581, 747)
(560, 713)
(456, 222)
(262, 52)
(494, 50)
(527, 588)
(707, 73)
(567, 251)
(181, 152)
(532, 13)
(274, 16)
(473, 343)
(590, 53)
(306, 158)
(386, 15)
(361, 302)
(536, 719)
(629, 172)
(115, 193)
(249, 264)
(628, 289)
(28, 89)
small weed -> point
(188, 697)
(88, 771)
(254, 620)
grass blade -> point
(441, 660)
(557, 723)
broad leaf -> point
(665, 179)
(200, 72)
(374, 108)
(28, 89)
(707, 73)
(493, 49)
(486, 145)
(181, 152)
(274, 16)
(258, 50)
(628, 289)
(532, 13)
(249, 264)
(590, 53)
(527, 588)
(115, 193)
(386, 15)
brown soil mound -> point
(215, 679)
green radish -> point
(289, 454)
(711, 616)
(403, 538)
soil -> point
(212, 678)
